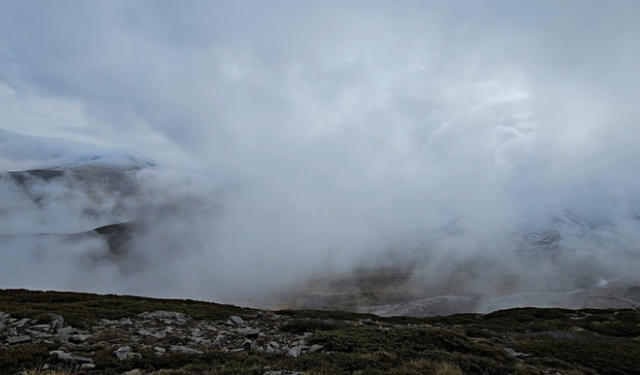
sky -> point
(340, 121)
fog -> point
(291, 139)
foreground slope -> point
(107, 334)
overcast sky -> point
(346, 115)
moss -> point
(607, 356)
(23, 357)
(313, 325)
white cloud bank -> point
(339, 123)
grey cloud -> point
(344, 121)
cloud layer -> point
(333, 126)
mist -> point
(292, 140)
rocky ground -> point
(49, 332)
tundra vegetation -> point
(77, 333)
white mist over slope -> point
(319, 133)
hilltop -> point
(108, 334)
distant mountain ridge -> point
(22, 151)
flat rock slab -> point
(18, 340)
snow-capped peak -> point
(21, 151)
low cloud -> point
(294, 139)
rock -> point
(250, 333)
(36, 334)
(125, 352)
(20, 323)
(515, 354)
(125, 322)
(18, 340)
(202, 341)
(4, 317)
(282, 373)
(78, 339)
(183, 349)
(133, 372)
(165, 315)
(294, 352)
(87, 366)
(236, 320)
(366, 322)
(2, 327)
(274, 345)
(173, 340)
(315, 348)
(41, 327)
(158, 335)
(67, 331)
(68, 357)
(159, 350)
(61, 337)
(197, 332)
(247, 345)
(57, 321)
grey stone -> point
(133, 372)
(36, 334)
(250, 333)
(236, 320)
(41, 327)
(197, 332)
(247, 345)
(18, 340)
(125, 352)
(4, 317)
(68, 357)
(294, 352)
(61, 337)
(2, 327)
(158, 335)
(87, 366)
(315, 348)
(165, 315)
(20, 323)
(125, 322)
(67, 331)
(183, 349)
(57, 321)
(202, 341)
(160, 350)
(78, 339)
(515, 354)
(274, 345)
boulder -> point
(125, 352)
(18, 340)
(294, 352)
(183, 349)
(236, 320)
(165, 315)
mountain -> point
(24, 151)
